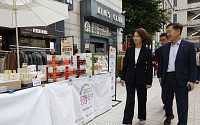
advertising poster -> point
(67, 46)
(112, 67)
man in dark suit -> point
(176, 71)
(163, 39)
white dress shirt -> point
(172, 56)
(137, 52)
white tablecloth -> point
(58, 103)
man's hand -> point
(160, 81)
(122, 83)
(191, 84)
(148, 86)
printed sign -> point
(112, 65)
(67, 46)
(36, 82)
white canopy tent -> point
(26, 13)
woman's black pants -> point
(130, 102)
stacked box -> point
(81, 64)
(89, 64)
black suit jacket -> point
(142, 72)
(157, 53)
(185, 63)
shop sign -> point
(40, 31)
(67, 46)
(117, 18)
(37, 32)
(97, 29)
(103, 12)
(100, 29)
(107, 13)
(87, 26)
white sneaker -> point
(141, 122)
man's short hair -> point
(176, 26)
(164, 34)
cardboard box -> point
(11, 85)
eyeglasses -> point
(162, 40)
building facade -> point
(95, 24)
(187, 12)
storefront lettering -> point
(100, 29)
(40, 31)
(117, 18)
(106, 13)
(103, 12)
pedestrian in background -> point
(163, 40)
(198, 65)
(177, 72)
(137, 73)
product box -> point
(42, 68)
(32, 67)
(1, 77)
(67, 60)
(29, 83)
(11, 85)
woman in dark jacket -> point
(137, 73)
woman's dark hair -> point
(142, 33)
(197, 49)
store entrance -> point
(98, 45)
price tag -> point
(36, 82)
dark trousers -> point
(198, 73)
(162, 95)
(170, 87)
(130, 103)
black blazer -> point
(142, 72)
(157, 53)
(185, 63)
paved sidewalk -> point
(155, 113)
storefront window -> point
(97, 47)
(1, 43)
(33, 42)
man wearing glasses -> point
(163, 40)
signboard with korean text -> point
(67, 45)
(112, 67)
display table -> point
(60, 103)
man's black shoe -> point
(173, 116)
(167, 121)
